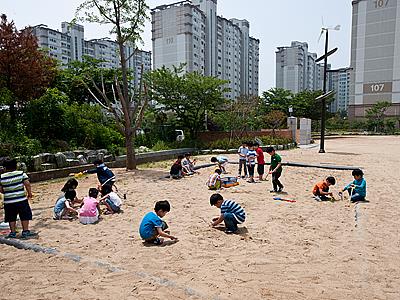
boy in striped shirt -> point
(13, 184)
(231, 213)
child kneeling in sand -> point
(89, 212)
(214, 181)
(63, 207)
(231, 213)
(112, 201)
(321, 189)
(152, 226)
(358, 188)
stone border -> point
(120, 162)
(234, 151)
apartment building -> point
(375, 56)
(191, 32)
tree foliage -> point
(188, 95)
(25, 71)
(274, 119)
(376, 115)
(127, 18)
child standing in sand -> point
(275, 170)
(17, 190)
(104, 174)
(152, 226)
(89, 212)
(321, 189)
(251, 162)
(358, 188)
(231, 213)
(242, 152)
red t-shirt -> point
(260, 156)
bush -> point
(160, 145)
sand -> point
(302, 250)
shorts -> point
(113, 206)
(260, 169)
(12, 210)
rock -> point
(120, 158)
(37, 162)
(72, 162)
(88, 153)
(22, 166)
(79, 152)
(61, 160)
(108, 158)
(100, 156)
(143, 149)
(69, 154)
(104, 151)
(48, 166)
(48, 158)
(82, 160)
(90, 159)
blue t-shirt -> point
(229, 206)
(360, 187)
(149, 224)
(243, 150)
(60, 204)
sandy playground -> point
(302, 250)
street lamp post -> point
(323, 99)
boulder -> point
(108, 158)
(72, 162)
(88, 153)
(79, 152)
(104, 151)
(82, 160)
(22, 166)
(48, 158)
(37, 162)
(91, 158)
(61, 160)
(69, 154)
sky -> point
(274, 22)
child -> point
(260, 161)
(17, 190)
(177, 171)
(104, 174)
(275, 169)
(242, 151)
(358, 188)
(188, 165)
(152, 226)
(321, 189)
(222, 161)
(89, 212)
(71, 185)
(112, 201)
(63, 206)
(231, 213)
(251, 162)
(214, 181)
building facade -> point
(191, 33)
(70, 45)
(375, 56)
(296, 69)
(340, 83)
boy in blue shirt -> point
(152, 226)
(231, 213)
(104, 174)
(358, 188)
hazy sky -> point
(275, 22)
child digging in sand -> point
(112, 201)
(231, 213)
(89, 212)
(321, 189)
(152, 227)
(63, 207)
(358, 188)
(214, 181)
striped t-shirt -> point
(13, 186)
(229, 206)
(251, 157)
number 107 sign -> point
(377, 88)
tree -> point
(188, 95)
(376, 115)
(127, 19)
(274, 119)
(25, 71)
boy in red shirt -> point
(260, 161)
(321, 189)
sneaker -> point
(280, 190)
(317, 198)
(11, 235)
(158, 241)
(227, 231)
(27, 234)
(273, 191)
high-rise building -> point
(70, 45)
(296, 69)
(375, 56)
(340, 83)
(190, 32)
